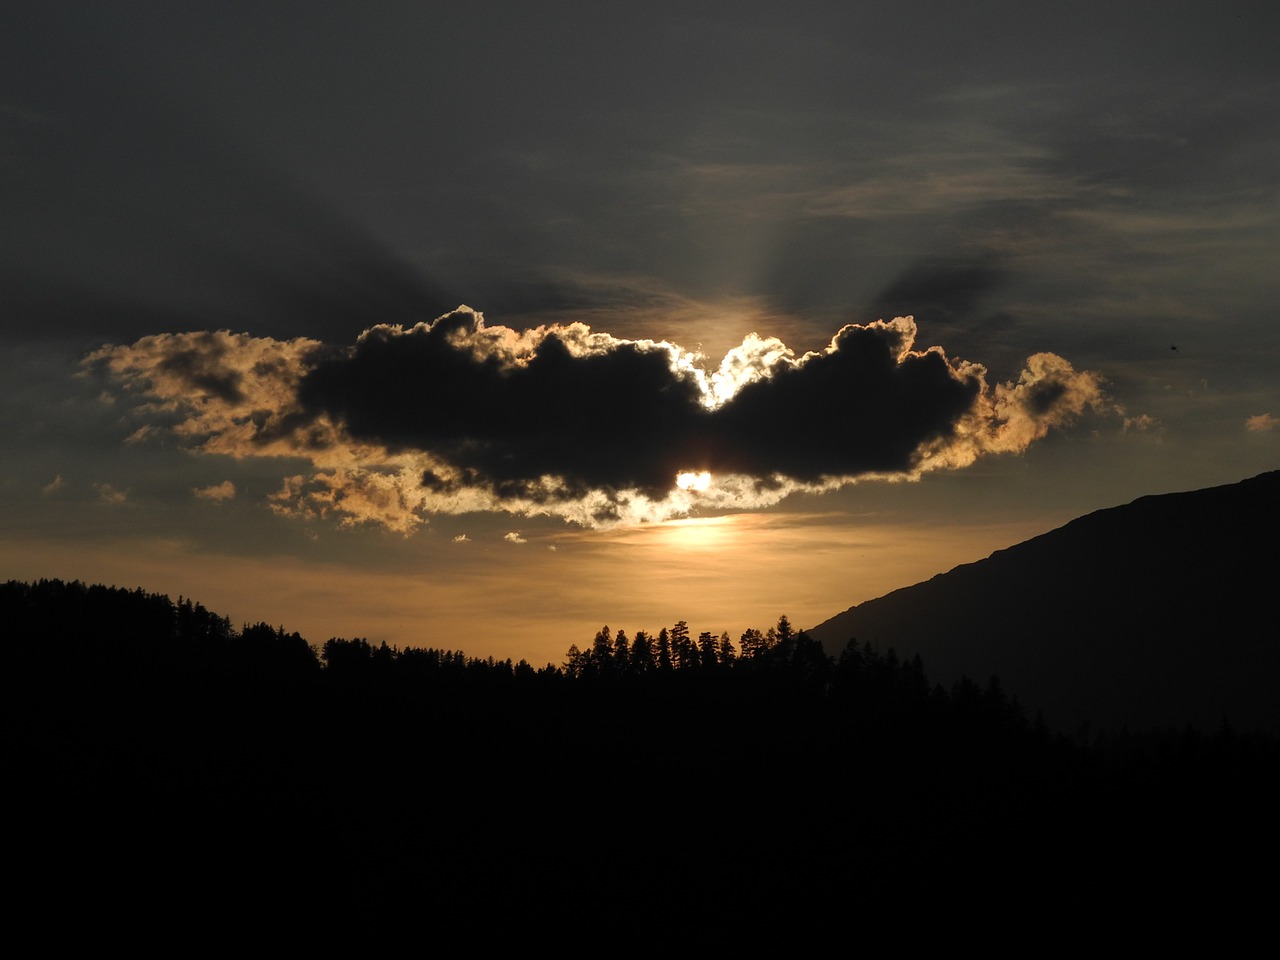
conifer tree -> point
(707, 648)
(664, 650)
(641, 653)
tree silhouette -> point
(246, 777)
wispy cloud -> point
(142, 434)
(226, 490)
(1263, 421)
(109, 494)
(514, 537)
(1140, 424)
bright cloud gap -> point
(455, 416)
(694, 481)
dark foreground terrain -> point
(175, 783)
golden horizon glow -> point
(719, 573)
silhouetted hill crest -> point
(1151, 613)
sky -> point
(483, 326)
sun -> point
(693, 481)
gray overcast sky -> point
(1096, 181)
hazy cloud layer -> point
(455, 416)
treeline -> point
(779, 647)
(123, 638)
(92, 628)
(104, 641)
(665, 789)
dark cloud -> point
(254, 252)
(951, 297)
(866, 405)
(620, 418)
(625, 417)
(941, 290)
(455, 416)
(130, 210)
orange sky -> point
(724, 573)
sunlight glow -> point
(693, 481)
(714, 534)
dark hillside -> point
(1159, 612)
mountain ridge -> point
(1151, 613)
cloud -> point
(355, 495)
(455, 416)
(946, 290)
(514, 537)
(462, 538)
(218, 492)
(234, 394)
(1263, 421)
(142, 434)
(57, 483)
(1140, 423)
(109, 494)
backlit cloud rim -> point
(455, 416)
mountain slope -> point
(1159, 612)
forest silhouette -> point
(174, 780)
